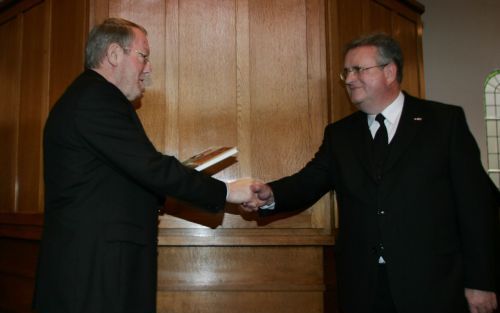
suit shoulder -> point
(347, 122)
(434, 106)
(93, 86)
(88, 90)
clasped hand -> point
(249, 193)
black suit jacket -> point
(104, 184)
(432, 208)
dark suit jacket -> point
(104, 184)
(432, 208)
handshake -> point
(249, 193)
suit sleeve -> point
(307, 186)
(476, 207)
(108, 125)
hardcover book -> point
(209, 157)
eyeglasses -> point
(144, 56)
(357, 70)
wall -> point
(41, 52)
(461, 47)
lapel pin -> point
(419, 119)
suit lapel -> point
(362, 141)
(409, 124)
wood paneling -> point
(380, 18)
(34, 71)
(266, 268)
(17, 269)
(250, 74)
(42, 51)
(258, 74)
(242, 279)
(32, 108)
(244, 73)
(345, 22)
(241, 302)
(10, 71)
(207, 108)
(24, 86)
(68, 32)
(407, 33)
(278, 87)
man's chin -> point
(356, 102)
(356, 97)
(136, 99)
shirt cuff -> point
(269, 206)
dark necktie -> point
(380, 143)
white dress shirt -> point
(392, 114)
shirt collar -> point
(392, 112)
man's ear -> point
(114, 54)
(391, 71)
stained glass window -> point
(492, 112)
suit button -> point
(380, 212)
(378, 249)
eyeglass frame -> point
(145, 57)
(358, 70)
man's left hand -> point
(481, 301)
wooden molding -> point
(243, 237)
(23, 226)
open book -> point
(210, 157)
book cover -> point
(209, 157)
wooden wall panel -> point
(16, 293)
(10, 67)
(245, 73)
(278, 87)
(406, 27)
(243, 279)
(380, 18)
(266, 268)
(316, 70)
(241, 302)
(42, 51)
(287, 102)
(18, 260)
(36, 65)
(407, 35)
(207, 113)
(172, 77)
(250, 74)
(68, 33)
(262, 75)
(341, 15)
(33, 108)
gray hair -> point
(388, 49)
(112, 30)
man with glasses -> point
(104, 184)
(418, 218)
